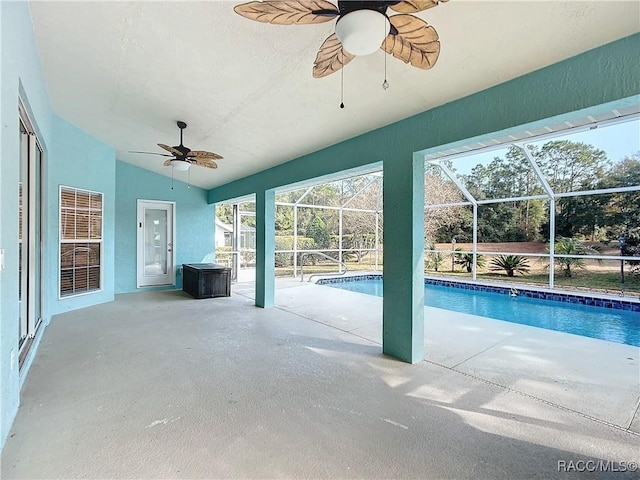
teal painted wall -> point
(71, 157)
(596, 80)
(78, 160)
(20, 75)
(194, 221)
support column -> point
(235, 242)
(340, 241)
(295, 241)
(265, 248)
(377, 237)
(403, 231)
(475, 241)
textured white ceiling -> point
(126, 71)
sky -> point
(617, 141)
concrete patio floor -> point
(159, 385)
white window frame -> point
(62, 241)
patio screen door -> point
(156, 256)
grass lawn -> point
(328, 267)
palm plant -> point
(466, 260)
(572, 246)
(511, 264)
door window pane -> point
(155, 239)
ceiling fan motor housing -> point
(347, 6)
(181, 148)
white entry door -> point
(156, 256)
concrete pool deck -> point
(594, 377)
(160, 385)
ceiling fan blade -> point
(413, 6)
(331, 57)
(151, 153)
(204, 162)
(204, 154)
(167, 163)
(169, 149)
(416, 41)
(288, 12)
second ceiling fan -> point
(183, 157)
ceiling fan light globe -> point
(362, 32)
(180, 165)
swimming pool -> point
(614, 325)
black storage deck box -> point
(206, 280)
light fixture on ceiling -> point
(358, 28)
(181, 158)
(180, 165)
(360, 33)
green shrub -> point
(572, 246)
(317, 230)
(466, 260)
(432, 260)
(285, 242)
(511, 264)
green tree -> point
(224, 211)
(507, 177)
(248, 220)
(359, 227)
(569, 167)
(623, 209)
(442, 223)
(284, 220)
(631, 247)
(317, 230)
(498, 222)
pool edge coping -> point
(541, 293)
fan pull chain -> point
(171, 177)
(385, 84)
(189, 178)
(342, 86)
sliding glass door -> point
(29, 235)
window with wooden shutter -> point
(80, 241)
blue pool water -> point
(618, 326)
